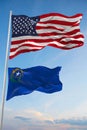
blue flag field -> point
(39, 78)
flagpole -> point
(5, 72)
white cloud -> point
(35, 120)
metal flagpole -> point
(5, 72)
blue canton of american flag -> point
(23, 25)
(53, 29)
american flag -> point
(53, 29)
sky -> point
(65, 110)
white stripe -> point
(71, 39)
(55, 25)
(41, 37)
(35, 37)
(41, 31)
(24, 48)
(50, 24)
(61, 18)
(38, 48)
(69, 29)
(70, 45)
(36, 44)
(45, 43)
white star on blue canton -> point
(23, 25)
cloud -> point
(71, 121)
(77, 128)
(79, 122)
(49, 122)
(22, 118)
(35, 120)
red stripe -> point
(78, 36)
(52, 45)
(49, 40)
(55, 33)
(48, 27)
(44, 40)
(61, 15)
(57, 40)
(21, 51)
(65, 47)
(28, 45)
(72, 42)
(14, 49)
(58, 22)
(38, 27)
